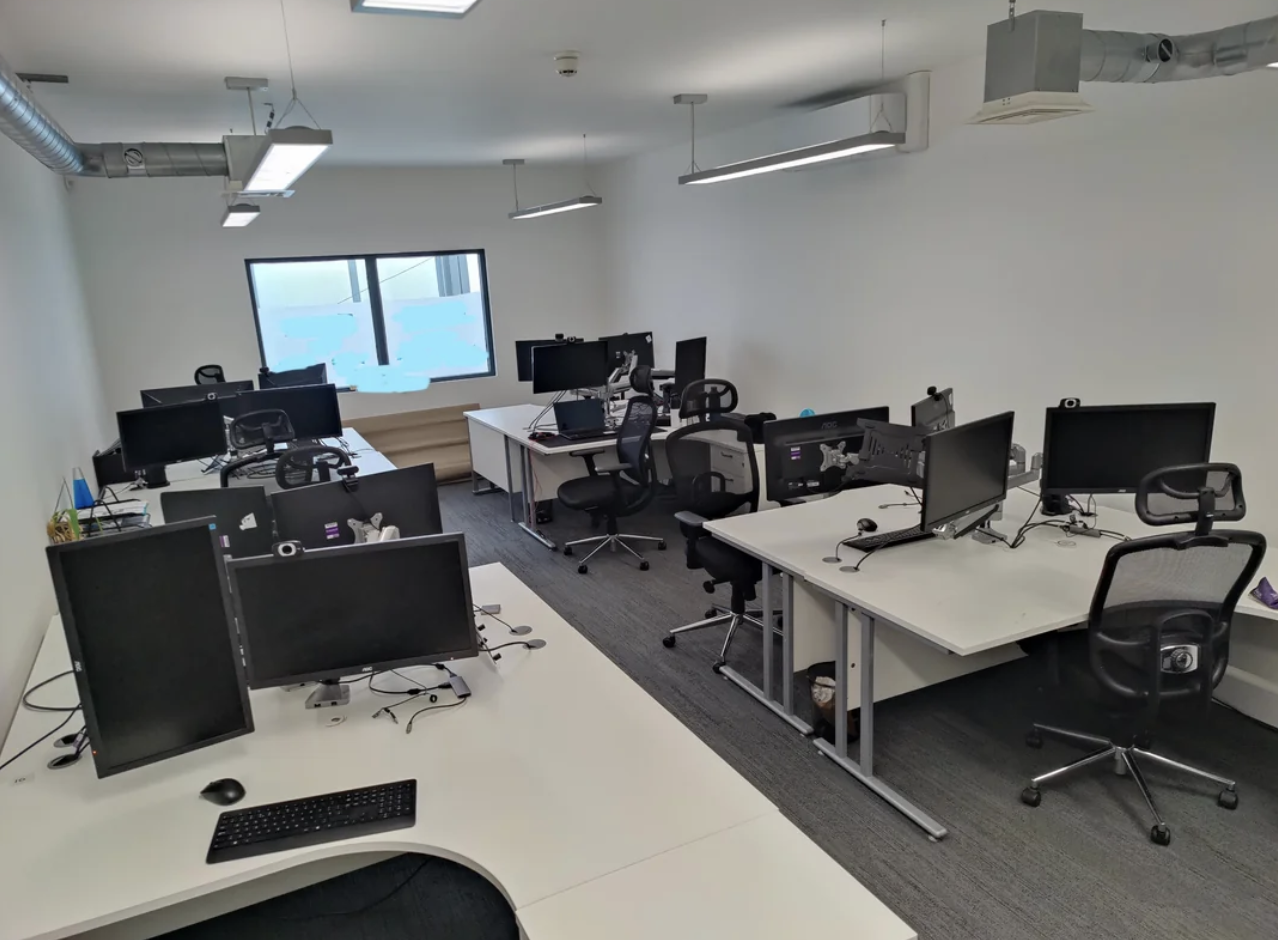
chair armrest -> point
(691, 519)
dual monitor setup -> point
(963, 470)
(566, 365)
(167, 634)
(180, 424)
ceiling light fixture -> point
(452, 9)
(554, 208)
(1273, 65)
(240, 215)
(287, 154)
(790, 159)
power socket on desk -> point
(1071, 529)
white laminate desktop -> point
(557, 772)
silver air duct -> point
(28, 125)
(1035, 63)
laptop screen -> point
(586, 414)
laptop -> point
(581, 420)
(245, 526)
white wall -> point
(167, 288)
(1123, 256)
(53, 415)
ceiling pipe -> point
(27, 124)
(1153, 57)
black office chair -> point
(209, 375)
(705, 494)
(254, 436)
(311, 375)
(303, 466)
(1159, 627)
(623, 491)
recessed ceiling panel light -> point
(455, 9)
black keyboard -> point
(278, 827)
(869, 543)
(588, 435)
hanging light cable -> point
(554, 208)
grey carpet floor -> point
(1079, 866)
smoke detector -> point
(567, 64)
(1032, 107)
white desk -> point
(502, 454)
(559, 771)
(955, 606)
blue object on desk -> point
(807, 413)
(81, 495)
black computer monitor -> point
(623, 343)
(797, 453)
(294, 378)
(244, 523)
(524, 355)
(152, 437)
(1111, 448)
(582, 414)
(934, 413)
(153, 646)
(336, 612)
(188, 393)
(965, 469)
(318, 516)
(570, 366)
(312, 409)
(690, 362)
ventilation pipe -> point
(1035, 63)
(28, 125)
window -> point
(381, 323)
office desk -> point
(559, 771)
(501, 453)
(952, 606)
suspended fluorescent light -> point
(1273, 65)
(289, 152)
(455, 9)
(239, 216)
(791, 159)
(569, 205)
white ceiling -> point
(403, 90)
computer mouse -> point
(223, 792)
(867, 525)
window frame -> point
(369, 260)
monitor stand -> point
(1055, 506)
(329, 694)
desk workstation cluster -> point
(250, 688)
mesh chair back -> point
(261, 428)
(1203, 493)
(707, 398)
(1167, 591)
(641, 380)
(634, 439)
(209, 375)
(699, 487)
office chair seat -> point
(731, 565)
(594, 494)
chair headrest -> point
(708, 397)
(1203, 493)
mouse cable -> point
(26, 703)
(40, 740)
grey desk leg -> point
(510, 483)
(838, 752)
(787, 643)
(529, 500)
(767, 618)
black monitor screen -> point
(312, 409)
(152, 643)
(638, 343)
(342, 611)
(187, 393)
(524, 356)
(690, 362)
(167, 434)
(1111, 449)
(571, 366)
(966, 469)
(319, 516)
(800, 453)
(243, 514)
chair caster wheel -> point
(1034, 740)
(1160, 835)
(1031, 796)
(644, 566)
(568, 551)
(668, 642)
(707, 586)
(1228, 799)
(718, 668)
(711, 612)
(582, 569)
(661, 546)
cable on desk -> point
(26, 703)
(509, 628)
(857, 567)
(432, 708)
(40, 740)
(524, 643)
